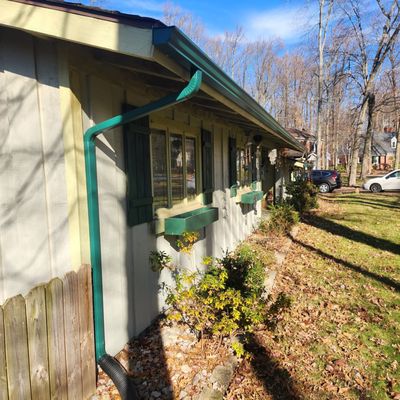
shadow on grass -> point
(378, 204)
(379, 278)
(351, 234)
(277, 381)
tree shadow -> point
(276, 380)
(364, 201)
(377, 277)
(351, 234)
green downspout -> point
(93, 199)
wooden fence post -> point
(17, 358)
(3, 370)
(72, 336)
(55, 339)
(37, 342)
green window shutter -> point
(207, 164)
(232, 162)
(138, 170)
(253, 162)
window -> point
(246, 166)
(395, 174)
(393, 143)
(176, 154)
(160, 178)
(174, 168)
(190, 150)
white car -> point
(390, 181)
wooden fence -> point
(47, 341)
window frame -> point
(168, 132)
(253, 164)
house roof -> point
(381, 143)
(157, 43)
(97, 12)
(301, 134)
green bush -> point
(211, 306)
(246, 272)
(303, 195)
(282, 218)
(226, 300)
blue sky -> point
(287, 19)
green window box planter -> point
(251, 197)
(233, 190)
(191, 221)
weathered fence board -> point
(55, 327)
(16, 340)
(47, 341)
(37, 342)
(3, 371)
(72, 336)
(87, 332)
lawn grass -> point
(341, 337)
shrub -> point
(226, 300)
(211, 306)
(303, 195)
(282, 218)
(246, 272)
(159, 260)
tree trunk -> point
(319, 87)
(366, 164)
(356, 143)
(397, 159)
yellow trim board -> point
(107, 35)
(70, 160)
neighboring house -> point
(66, 67)
(308, 140)
(292, 162)
(383, 149)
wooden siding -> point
(70, 91)
(129, 284)
(34, 239)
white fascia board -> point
(86, 30)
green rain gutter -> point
(93, 196)
(173, 42)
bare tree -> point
(186, 21)
(394, 76)
(390, 31)
(325, 11)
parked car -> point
(326, 180)
(390, 181)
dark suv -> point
(326, 180)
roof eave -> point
(173, 42)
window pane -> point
(239, 163)
(190, 145)
(160, 186)
(248, 165)
(243, 168)
(176, 168)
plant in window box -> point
(187, 241)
